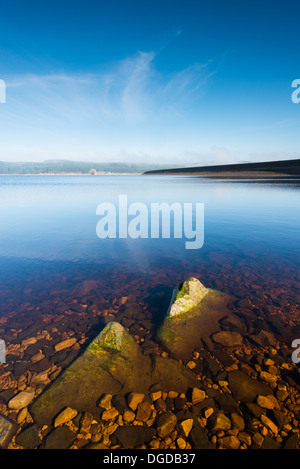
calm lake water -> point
(49, 245)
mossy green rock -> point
(186, 297)
(194, 313)
(113, 363)
(113, 339)
(107, 363)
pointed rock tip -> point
(186, 296)
(110, 338)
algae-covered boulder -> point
(193, 313)
(110, 362)
(113, 363)
(187, 297)
(113, 338)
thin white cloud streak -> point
(130, 108)
(131, 111)
(271, 126)
(132, 91)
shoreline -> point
(71, 174)
(286, 167)
(217, 175)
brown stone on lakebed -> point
(144, 411)
(129, 437)
(7, 431)
(228, 338)
(165, 424)
(246, 389)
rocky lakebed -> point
(212, 373)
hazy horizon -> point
(169, 83)
(134, 163)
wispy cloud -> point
(138, 91)
(271, 126)
(132, 90)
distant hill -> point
(75, 167)
(288, 167)
(291, 167)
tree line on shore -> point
(64, 166)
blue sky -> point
(189, 82)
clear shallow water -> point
(48, 237)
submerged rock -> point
(107, 361)
(114, 338)
(129, 437)
(165, 424)
(228, 338)
(21, 400)
(219, 421)
(65, 416)
(187, 297)
(263, 339)
(60, 438)
(113, 363)
(246, 389)
(7, 431)
(193, 313)
(29, 437)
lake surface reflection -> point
(49, 246)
